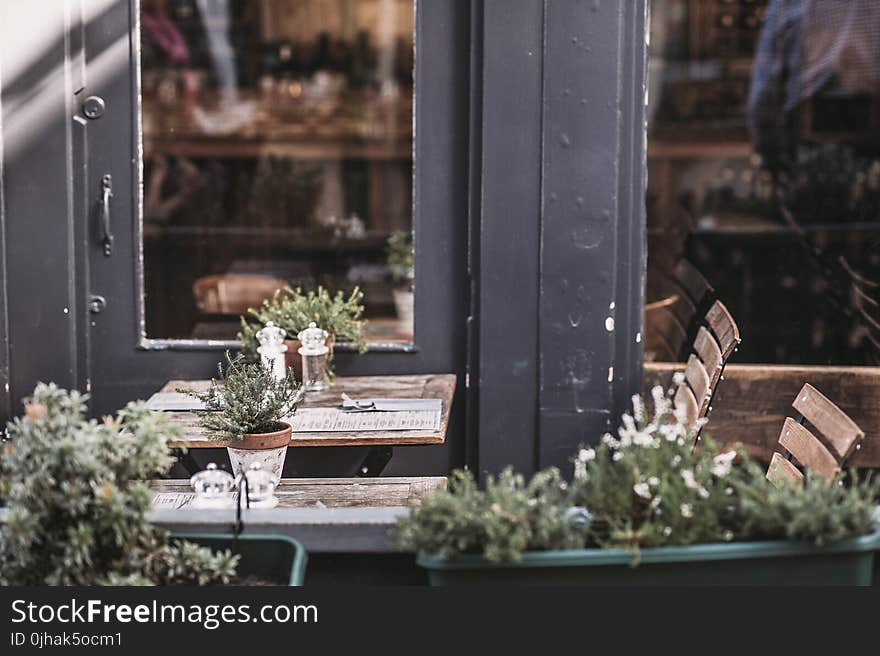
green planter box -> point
(275, 558)
(848, 562)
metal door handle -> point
(106, 195)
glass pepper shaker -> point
(260, 487)
(212, 488)
(315, 355)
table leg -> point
(377, 459)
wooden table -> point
(331, 516)
(441, 386)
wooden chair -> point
(715, 341)
(798, 443)
(233, 293)
(672, 322)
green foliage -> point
(820, 513)
(646, 487)
(293, 310)
(77, 504)
(400, 256)
(502, 521)
(248, 399)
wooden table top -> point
(418, 386)
(176, 494)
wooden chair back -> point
(233, 293)
(713, 345)
(841, 436)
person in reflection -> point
(814, 119)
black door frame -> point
(529, 211)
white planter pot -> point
(403, 303)
(271, 460)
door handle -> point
(106, 195)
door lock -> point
(93, 107)
(97, 304)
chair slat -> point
(841, 432)
(807, 449)
(685, 400)
(782, 471)
(692, 281)
(724, 327)
(706, 347)
(684, 310)
(696, 376)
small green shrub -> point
(400, 256)
(501, 521)
(293, 310)
(646, 487)
(247, 399)
(78, 502)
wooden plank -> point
(782, 471)
(722, 324)
(440, 386)
(807, 449)
(752, 402)
(665, 335)
(696, 376)
(841, 432)
(707, 348)
(327, 492)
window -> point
(277, 150)
(764, 172)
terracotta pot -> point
(292, 358)
(258, 441)
(269, 449)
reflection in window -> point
(764, 172)
(277, 151)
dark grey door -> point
(125, 361)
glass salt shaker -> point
(260, 487)
(212, 488)
(272, 348)
(315, 355)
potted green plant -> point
(293, 310)
(644, 509)
(400, 261)
(77, 504)
(245, 409)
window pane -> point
(278, 150)
(764, 173)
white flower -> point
(638, 408)
(690, 481)
(661, 403)
(703, 492)
(642, 490)
(678, 378)
(667, 531)
(655, 502)
(676, 460)
(586, 455)
(728, 491)
(653, 481)
(723, 464)
(728, 536)
(580, 469)
(686, 511)
(609, 440)
(617, 456)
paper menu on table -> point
(334, 420)
(174, 402)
